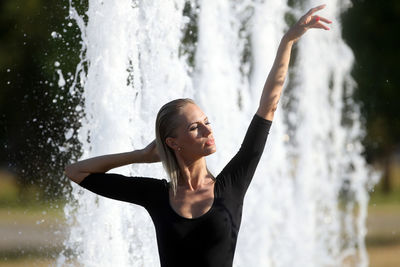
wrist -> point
(286, 40)
(138, 156)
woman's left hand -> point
(308, 21)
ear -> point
(170, 141)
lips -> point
(210, 142)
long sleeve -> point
(137, 190)
(240, 170)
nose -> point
(206, 130)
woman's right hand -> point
(151, 152)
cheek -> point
(191, 139)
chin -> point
(212, 150)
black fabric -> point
(208, 240)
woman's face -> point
(194, 137)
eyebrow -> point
(205, 119)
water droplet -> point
(61, 80)
(69, 134)
(328, 219)
(350, 147)
(286, 138)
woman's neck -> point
(194, 174)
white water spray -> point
(307, 202)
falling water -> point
(307, 202)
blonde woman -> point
(196, 215)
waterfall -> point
(307, 203)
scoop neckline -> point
(195, 218)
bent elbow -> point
(68, 171)
(72, 174)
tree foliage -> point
(37, 46)
(371, 29)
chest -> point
(196, 221)
(192, 204)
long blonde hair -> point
(166, 125)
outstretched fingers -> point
(316, 22)
(306, 22)
(314, 9)
(324, 19)
(320, 26)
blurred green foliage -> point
(35, 113)
(371, 29)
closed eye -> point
(194, 127)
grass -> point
(31, 214)
(384, 256)
(379, 198)
(383, 223)
(35, 262)
(27, 215)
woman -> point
(196, 216)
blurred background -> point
(40, 116)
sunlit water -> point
(307, 203)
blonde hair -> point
(166, 125)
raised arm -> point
(276, 78)
(81, 169)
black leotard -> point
(208, 240)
